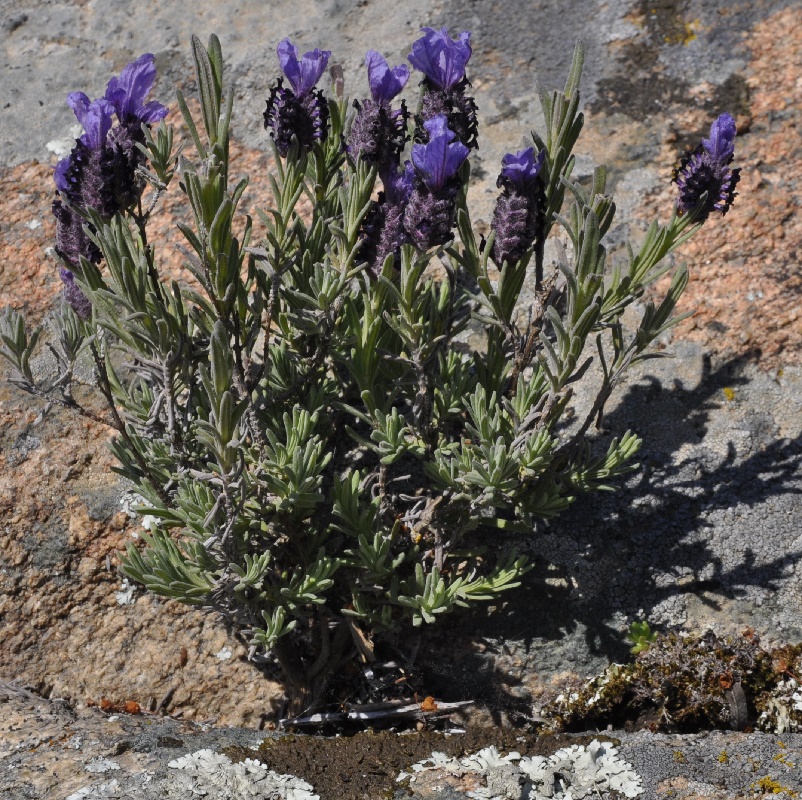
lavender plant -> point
(329, 461)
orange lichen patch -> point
(109, 706)
(746, 273)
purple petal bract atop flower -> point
(440, 58)
(438, 160)
(523, 167)
(127, 92)
(95, 117)
(385, 83)
(721, 144)
(303, 74)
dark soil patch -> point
(365, 766)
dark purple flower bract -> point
(523, 167)
(399, 183)
(706, 171)
(440, 58)
(95, 117)
(61, 176)
(721, 144)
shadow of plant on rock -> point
(681, 532)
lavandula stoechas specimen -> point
(100, 172)
(706, 170)
(301, 110)
(516, 218)
(431, 209)
(443, 60)
(383, 228)
(378, 133)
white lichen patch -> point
(569, 774)
(104, 790)
(101, 765)
(130, 502)
(125, 595)
(782, 712)
(224, 654)
(215, 777)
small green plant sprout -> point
(641, 636)
(329, 462)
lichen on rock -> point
(215, 776)
(572, 772)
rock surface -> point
(705, 535)
(48, 751)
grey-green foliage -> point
(327, 459)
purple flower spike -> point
(440, 58)
(385, 83)
(522, 168)
(303, 74)
(378, 133)
(706, 172)
(128, 92)
(431, 208)
(72, 243)
(438, 161)
(300, 111)
(383, 228)
(101, 171)
(519, 208)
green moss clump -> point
(684, 683)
